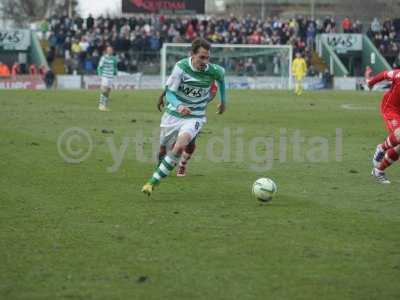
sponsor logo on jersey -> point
(191, 91)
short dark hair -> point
(200, 43)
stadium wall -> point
(145, 82)
(36, 55)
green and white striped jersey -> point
(192, 87)
(107, 66)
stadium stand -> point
(74, 46)
(386, 37)
(137, 40)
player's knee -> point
(190, 148)
(183, 139)
(178, 150)
(397, 133)
(180, 145)
(397, 149)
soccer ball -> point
(264, 189)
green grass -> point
(78, 231)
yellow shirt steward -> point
(299, 68)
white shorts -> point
(107, 82)
(172, 127)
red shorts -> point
(392, 120)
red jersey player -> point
(389, 151)
(189, 149)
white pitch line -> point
(356, 107)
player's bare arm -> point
(160, 103)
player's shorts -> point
(392, 120)
(172, 127)
(107, 82)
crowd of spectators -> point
(32, 71)
(386, 37)
(137, 40)
(17, 69)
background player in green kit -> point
(187, 93)
(107, 70)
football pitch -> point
(74, 224)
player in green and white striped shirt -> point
(187, 93)
(107, 69)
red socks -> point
(390, 157)
(390, 142)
